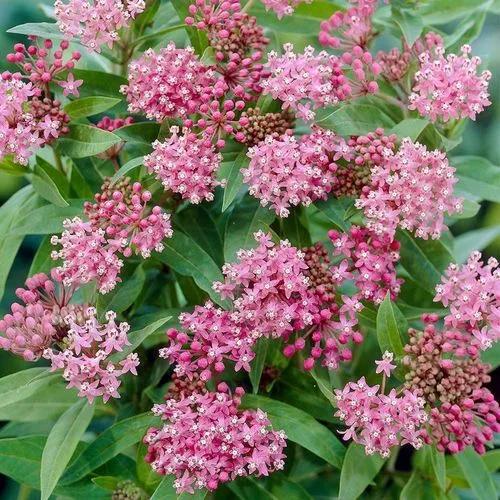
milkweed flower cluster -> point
(84, 356)
(449, 86)
(345, 30)
(185, 164)
(380, 421)
(369, 261)
(309, 81)
(119, 223)
(472, 293)
(212, 339)
(412, 189)
(207, 440)
(283, 7)
(96, 22)
(462, 412)
(171, 83)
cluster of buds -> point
(254, 125)
(119, 222)
(206, 440)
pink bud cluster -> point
(378, 421)
(32, 327)
(345, 30)
(283, 7)
(369, 260)
(211, 339)
(412, 189)
(112, 124)
(472, 293)
(269, 289)
(171, 83)
(85, 353)
(285, 172)
(96, 22)
(120, 222)
(185, 164)
(449, 86)
(308, 81)
(207, 440)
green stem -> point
(24, 492)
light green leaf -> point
(44, 184)
(439, 466)
(231, 173)
(300, 428)
(10, 167)
(336, 211)
(478, 239)
(61, 444)
(477, 474)
(247, 218)
(107, 445)
(89, 106)
(128, 167)
(258, 363)
(99, 83)
(86, 140)
(477, 177)
(42, 261)
(410, 23)
(43, 30)
(358, 471)
(410, 127)
(391, 327)
(417, 488)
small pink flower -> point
(384, 365)
(70, 86)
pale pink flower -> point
(283, 7)
(384, 365)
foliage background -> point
(481, 138)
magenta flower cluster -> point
(118, 224)
(84, 357)
(283, 7)
(96, 22)
(411, 189)
(206, 441)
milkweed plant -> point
(246, 285)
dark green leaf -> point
(43, 30)
(142, 132)
(42, 262)
(335, 209)
(258, 363)
(10, 167)
(166, 491)
(358, 471)
(107, 482)
(417, 488)
(86, 140)
(300, 428)
(44, 183)
(128, 167)
(231, 173)
(99, 83)
(391, 327)
(89, 106)
(294, 231)
(477, 177)
(148, 478)
(476, 474)
(107, 445)
(61, 444)
(439, 466)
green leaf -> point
(439, 466)
(445, 11)
(294, 231)
(89, 106)
(411, 24)
(47, 219)
(141, 133)
(99, 83)
(198, 37)
(148, 478)
(61, 444)
(424, 260)
(354, 119)
(358, 471)
(410, 127)
(166, 491)
(43, 30)
(247, 218)
(231, 173)
(477, 474)
(492, 356)
(258, 363)
(127, 167)
(23, 384)
(300, 428)
(124, 295)
(417, 488)
(477, 177)
(10, 167)
(157, 34)
(186, 257)
(391, 327)
(109, 483)
(45, 185)
(478, 239)
(336, 209)
(86, 140)
(42, 261)
(107, 445)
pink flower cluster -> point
(120, 222)
(206, 441)
(369, 260)
(285, 172)
(378, 421)
(112, 124)
(472, 293)
(85, 356)
(212, 339)
(351, 28)
(449, 86)
(308, 81)
(96, 22)
(283, 7)
(185, 164)
(412, 189)
(268, 288)
(171, 83)
(32, 327)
